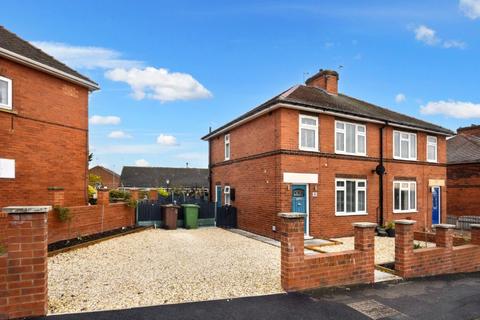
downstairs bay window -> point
(404, 196)
(350, 197)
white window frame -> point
(410, 135)
(7, 106)
(432, 144)
(309, 127)
(357, 189)
(410, 183)
(226, 192)
(227, 143)
(357, 134)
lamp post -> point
(168, 187)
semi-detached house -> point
(336, 158)
(43, 125)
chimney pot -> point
(324, 79)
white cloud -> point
(166, 140)
(454, 44)
(399, 98)
(159, 84)
(451, 108)
(429, 37)
(104, 120)
(118, 134)
(86, 57)
(142, 163)
(471, 8)
(426, 35)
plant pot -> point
(391, 233)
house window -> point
(351, 197)
(431, 149)
(227, 147)
(5, 93)
(226, 191)
(404, 196)
(350, 138)
(404, 145)
(308, 133)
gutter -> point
(292, 105)
(92, 86)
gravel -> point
(162, 267)
(384, 247)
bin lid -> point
(190, 205)
(170, 205)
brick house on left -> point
(43, 125)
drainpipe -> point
(380, 170)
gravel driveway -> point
(162, 267)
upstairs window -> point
(431, 149)
(351, 196)
(308, 133)
(405, 196)
(350, 138)
(404, 145)
(5, 93)
(227, 147)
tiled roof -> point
(155, 177)
(463, 149)
(11, 42)
(317, 98)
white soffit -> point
(292, 177)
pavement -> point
(442, 297)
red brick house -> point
(338, 159)
(463, 172)
(43, 125)
(110, 179)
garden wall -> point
(87, 220)
(443, 259)
(300, 271)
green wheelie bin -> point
(190, 214)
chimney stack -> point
(326, 80)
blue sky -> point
(170, 69)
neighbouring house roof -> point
(108, 171)
(318, 99)
(15, 48)
(155, 177)
(463, 149)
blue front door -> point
(299, 202)
(218, 196)
(435, 205)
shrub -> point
(63, 213)
(132, 203)
(91, 191)
(417, 246)
(390, 225)
(119, 194)
(2, 249)
(163, 192)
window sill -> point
(309, 149)
(404, 159)
(351, 214)
(431, 161)
(8, 110)
(351, 154)
(410, 211)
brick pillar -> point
(365, 241)
(292, 252)
(26, 281)
(153, 194)
(103, 197)
(404, 247)
(444, 235)
(475, 234)
(56, 196)
(134, 194)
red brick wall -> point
(443, 259)
(300, 271)
(88, 220)
(261, 193)
(23, 269)
(463, 189)
(47, 135)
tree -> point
(94, 180)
